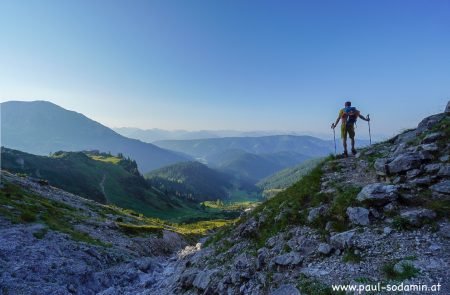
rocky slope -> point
(381, 216)
(54, 242)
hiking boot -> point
(354, 151)
(345, 154)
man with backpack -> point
(349, 115)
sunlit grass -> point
(104, 158)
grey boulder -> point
(378, 194)
(358, 215)
(418, 216)
(343, 240)
(291, 258)
(286, 290)
(404, 162)
(442, 187)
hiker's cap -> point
(348, 103)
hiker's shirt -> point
(346, 129)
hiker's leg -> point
(351, 134)
(344, 137)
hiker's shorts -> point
(350, 130)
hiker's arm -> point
(364, 118)
(337, 121)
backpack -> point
(350, 115)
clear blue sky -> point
(247, 65)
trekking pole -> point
(370, 135)
(334, 136)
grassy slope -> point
(281, 180)
(83, 174)
(22, 206)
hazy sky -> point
(247, 65)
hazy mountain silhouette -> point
(204, 148)
(41, 127)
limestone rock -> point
(262, 255)
(432, 137)
(324, 248)
(358, 215)
(429, 122)
(381, 167)
(432, 168)
(404, 162)
(413, 173)
(202, 279)
(417, 216)
(425, 180)
(430, 147)
(343, 240)
(444, 170)
(314, 213)
(288, 289)
(249, 228)
(291, 258)
(442, 187)
(378, 194)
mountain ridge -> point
(41, 127)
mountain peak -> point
(42, 127)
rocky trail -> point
(379, 217)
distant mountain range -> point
(41, 127)
(253, 167)
(152, 135)
(254, 158)
(205, 148)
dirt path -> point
(102, 187)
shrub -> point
(350, 256)
(40, 234)
(401, 223)
(27, 216)
(409, 271)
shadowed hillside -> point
(106, 179)
(198, 182)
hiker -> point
(349, 115)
